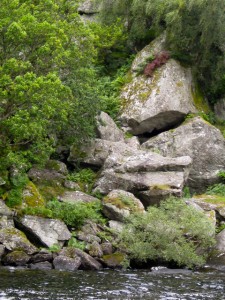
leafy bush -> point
(14, 196)
(174, 232)
(85, 178)
(73, 242)
(216, 189)
(74, 215)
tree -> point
(47, 90)
(173, 232)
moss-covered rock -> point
(115, 260)
(118, 204)
(16, 258)
(32, 196)
(14, 239)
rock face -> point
(202, 142)
(144, 172)
(107, 129)
(219, 109)
(46, 232)
(158, 102)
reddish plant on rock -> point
(159, 60)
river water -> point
(111, 284)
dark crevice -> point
(147, 135)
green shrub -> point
(14, 198)
(173, 232)
(216, 189)
(73, 242)
(74, 215)
(38, 211)
(85, 178)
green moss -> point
(53, 165)
(180, 84)
(32, 197)
(122, 202)
(213, 199)
(117, 259)
(199, 100)
(161, 187)
(49, 192)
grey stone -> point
(88, 262)
(58, 166)
(5, 210)
(96, 151)
(107, 248)
(71, 185)
(202, 142)
(220, 238)
(87, 237)
(107, 129)
(41, 176)
(41, 266)
(66, 263)
(89, 7)
(14, 239)
(144, 172)
(158, 102)
(77, 196)
(41, 257)
(47, 232)
(6, 222)
(116, 225)
(16, 258)
(95, 250)
(156, 46)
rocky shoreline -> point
(156, 154)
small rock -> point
(16, 258)
(88, 262)
(41, 266)
(95, 250)
(115, 260)
(107, 248)
(66, 263)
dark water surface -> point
(109, 284)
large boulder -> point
(202, 142)
(66, 263)
(144, 172)
(107, 128)
(45, 232)
(158, 102)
